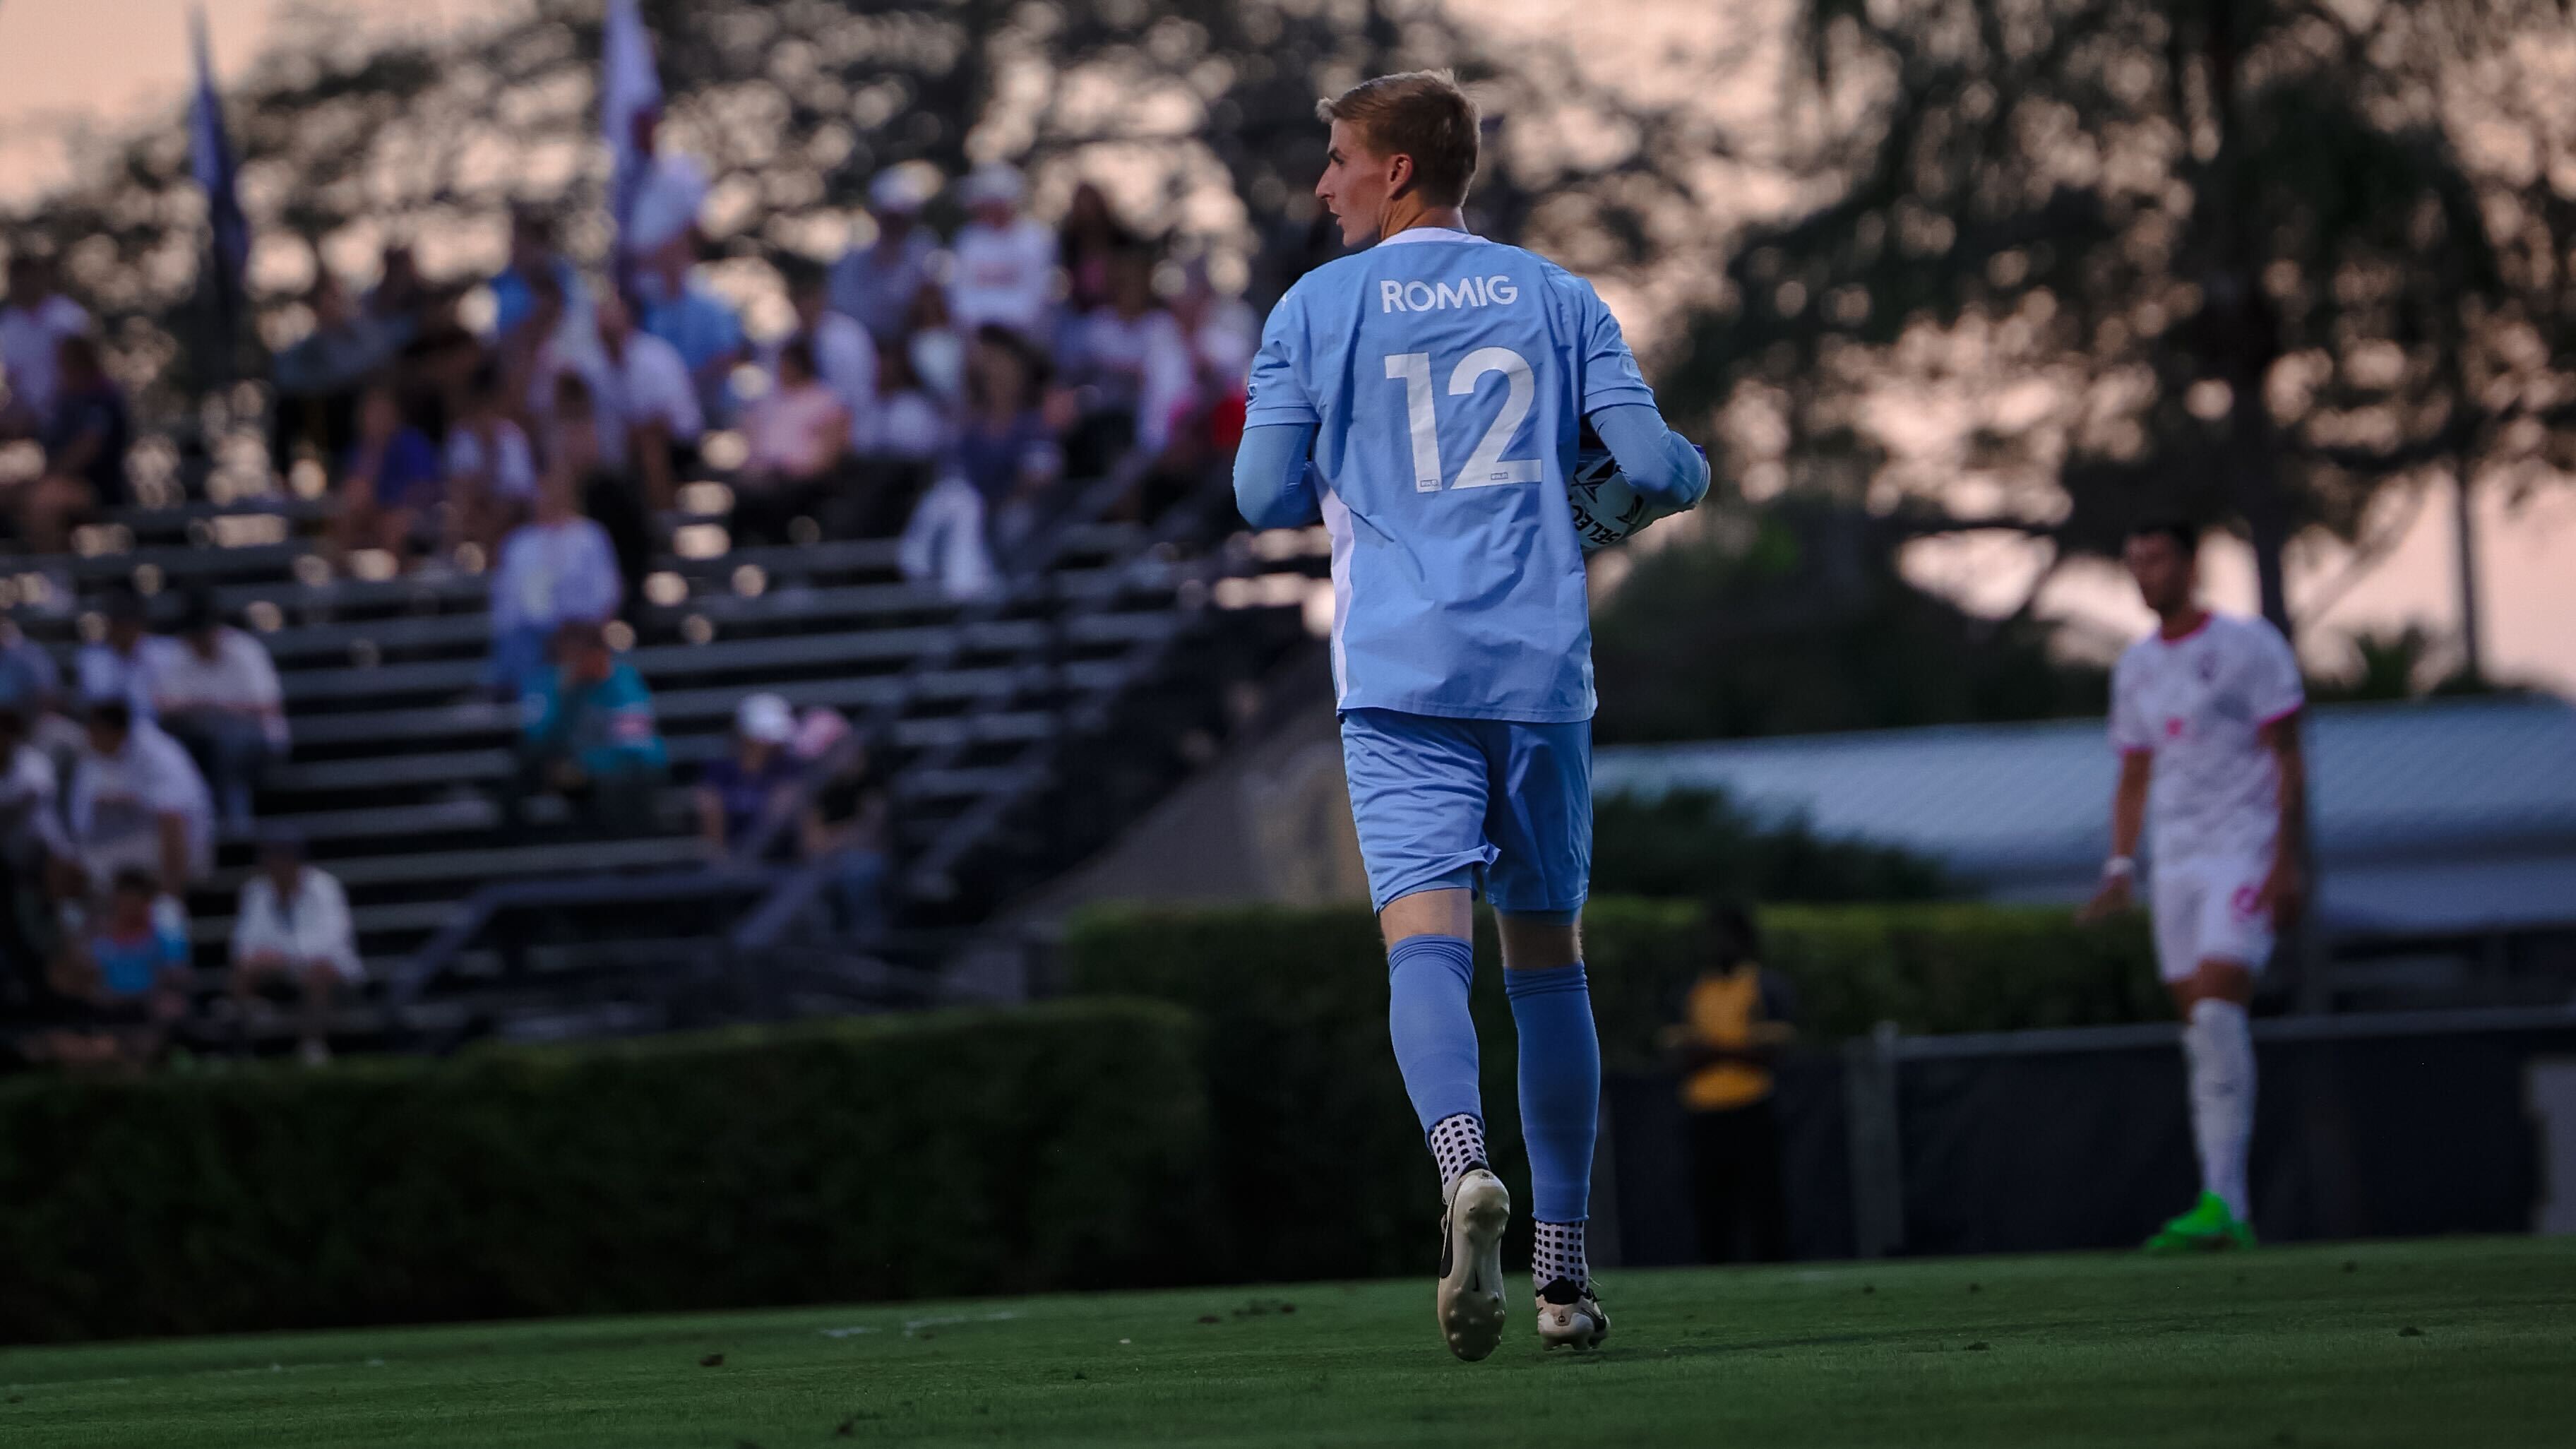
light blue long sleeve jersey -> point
(1423, 400)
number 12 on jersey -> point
(1486, 467)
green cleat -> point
(2207, 1228)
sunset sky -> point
(107, 62)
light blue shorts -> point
(1467, 803)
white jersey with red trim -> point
(2198, 705)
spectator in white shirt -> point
(646, 406)
(909, 431)
(292, 933)
(137, 802)
(876, 284)
(218, 696)
(1133, 357)
(1005, 262)
(120, 663)
(33, 324)
(555, 569)
(491, 471)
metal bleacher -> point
(1089, 673)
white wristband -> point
(2119, 867)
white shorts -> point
(2210, 908)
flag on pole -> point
(211, 159)
(629, 91)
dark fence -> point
(2366, 1126)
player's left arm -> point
(1657, 461)
(1621, 408)
(2280, 702)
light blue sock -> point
(1435, 1038)
(1560, 1087)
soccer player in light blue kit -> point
(1424, 398)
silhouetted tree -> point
(2238, 259)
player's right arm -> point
(2130, 737)
(1273, 486)
(1272, 483)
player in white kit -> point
(2205, 715)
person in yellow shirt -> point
(1735, 1021)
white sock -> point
(2221, 1053)
(1457, 1143)
(1556, 1251)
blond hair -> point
(1421, 114)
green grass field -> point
(2459, 1342)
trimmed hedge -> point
(1317, 1156)
(1060, 1146)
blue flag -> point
(211, 159)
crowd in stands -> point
(539, 425)
(112, 794)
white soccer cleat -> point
(1570, 1316)
(1470, 1299)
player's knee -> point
(2219, 978)
(1446, 911)
(1541, 941)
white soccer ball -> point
(1606, 509)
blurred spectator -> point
(936, 348)
(845, 357)
(130, 967)
(319, 378)
(1007, 450)
(1223, 334)
(945, 543)
(876, 284)
(400, 292)
(701, 326)
(137, 803)
(292, 934)
(85, 440)
(848, 821)
(647, 408)
(121, 662)
(608, 496)
(663, 213)
(740, 793)
(30, 829)
(555, 569)
(35, 318)
(590, 737)
(515, 290)
(218, 696)
(798, 433)
(391, 482)
(491, 473)
(1091, 235)
(30, 682)
(1131, 357)
(1734, 1024)
(1005, 262)
(908, 432)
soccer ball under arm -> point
(1607, 509)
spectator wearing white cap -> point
(1005, 262)
(740, 794)
(876, 283)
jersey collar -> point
(1428, 234)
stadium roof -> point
(2453, 815)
